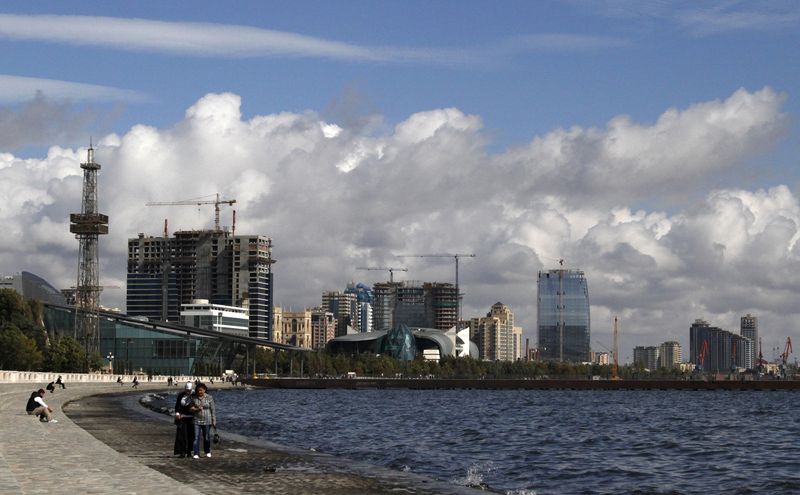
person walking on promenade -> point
(184, 415)
(59, 382)
(135, 382)
(37, 407)
(205, 418)
(169, 381)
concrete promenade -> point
(110, 444)
(43, 458)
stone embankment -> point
(105, 442)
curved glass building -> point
(563, 315)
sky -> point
(651, 144)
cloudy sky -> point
(652, 144)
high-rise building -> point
(646, 357)
(494, 334)
(516, 336)
(344, 306)
(166, 272)
(669, 355)
(385, 295)
(415, 304)
(563, 315)
(323, 327)
(749, 330)
(715, 350)
(364, 300)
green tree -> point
(66, 354)
(18, 351)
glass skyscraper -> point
(563, 315)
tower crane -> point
(198, 202)
(786, 351)
(615, 369)
(455, 256)
(390, 269)
(703, 354)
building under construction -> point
(425, 305)
(233, 270)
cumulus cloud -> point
(334, 198)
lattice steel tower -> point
(87, 226)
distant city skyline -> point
(651, 145)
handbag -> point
(215, 438)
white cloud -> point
(225, 40)
(333, 199)
(706, 18)
(16, 89)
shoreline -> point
(522, 384)
(238, 464)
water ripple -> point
(543, 442)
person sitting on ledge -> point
(36, 406)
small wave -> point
(521, 491)
(474, 476)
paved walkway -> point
(107, 446)
(44, 458)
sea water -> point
(543, 442)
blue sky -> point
(637, 65)
(539, 90)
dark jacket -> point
(32, 404)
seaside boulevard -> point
(105, 442)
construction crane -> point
(390, 269)
(198, 202)
(615, 369)
(445, 255)
(786, 351)
(703, 354)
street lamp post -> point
(110, 358)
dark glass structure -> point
(563, 322)
(400, 344)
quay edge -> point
(517, 384)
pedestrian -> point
(205, 418)
(135, 382)
(119, 380)
(184, 433)
(51, 387)
(169, 381)
(59, 382)
(37, 407)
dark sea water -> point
(544, 442)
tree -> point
(18, 351)
(66, 354)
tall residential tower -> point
(563, 315)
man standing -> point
(184, 420)
(37, 407)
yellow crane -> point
(198, 202)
